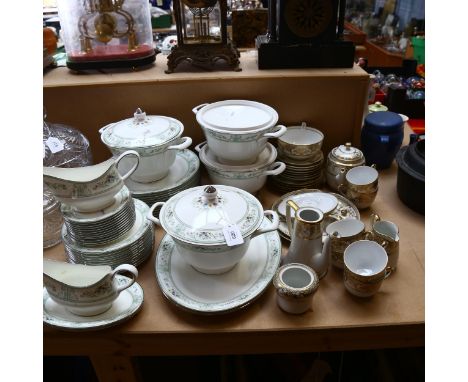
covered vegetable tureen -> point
(212, 225)
(155, 137)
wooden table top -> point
(392, 318)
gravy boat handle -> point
(125, 268)
(132, 170)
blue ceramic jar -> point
(381, 138)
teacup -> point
(365, 268)
(342, 233)
(361, 186)
(85, 290)
(386, 234)
(300, 142)
(89, 188)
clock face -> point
(308, 18)
(199, 3)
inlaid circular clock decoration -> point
(308, 18)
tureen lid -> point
(142, 131)
(237, 115)
(347, 153)
(199, 214)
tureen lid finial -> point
(139, 115)
(210, 193)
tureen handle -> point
(150, 215)
(101, 130)
(272, 227)
(132, 170)
(187, 141)
(278, 133)
(196, 109)
(125, 268)
(275, 169)
(198, 147)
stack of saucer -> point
(183, 174)
(300, 150)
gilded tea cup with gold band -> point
(365, 268)
(360, 186)
(300, 142)
(386, 232)
(342, 233)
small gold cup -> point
(361, 186)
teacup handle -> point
(278, 133)
(272, 227)
(196, 109)
(290, 204)
(101, 130)
(198, 148)
(374, 219)
(122, 269)
(388, 272)
(369, 235)
(132, 170)
(150, 216)
(187, 141)
(275, 169)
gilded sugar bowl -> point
(339, 161)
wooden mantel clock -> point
(202, 35)
(305, 34)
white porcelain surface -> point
(155, 166)
(85, 290)
(89, 188)
(204, 245)
(199, 214)
(141, 131)
(345, 228)
(324, 201)
(248, 181)
(156, 138)
(241, 148)
(362, 175)
(214, 294)
(127, 304)
(365, 258)
(210, 160)
(185, 166)
(236, 115)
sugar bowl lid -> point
(198, 215)
(141, 131)
(347, 154)
(236, 115)
(378, 106)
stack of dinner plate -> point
(183, 174)
(132, 247)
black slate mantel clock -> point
(305, 34)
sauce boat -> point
(85, 290)
(89, 188)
